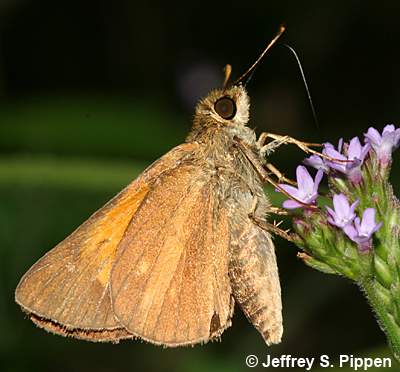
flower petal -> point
(317, 181)
(331, 212)
(357, 223)
(377, 227)
(328, 144)
(341, 205)
(368, 221)
(304, 180)
(316, 162)
(291, 204)
(333, 222)
(388, 129)
(354, 150)
(354, 205)
(365, 151)
(351, 232)
(340, 145)
(397, 137)
(373, 136)
(291, 190)
(331, 152)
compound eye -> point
(225, 107)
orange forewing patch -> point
(102, 248)
(69, 285)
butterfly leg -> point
(281, 177)
(275, 210)
(272, 227)
(279, 140)
(278, 211)
(267, 226)
(264, 175)
(266, 149)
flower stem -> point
(376, 296)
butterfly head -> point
(224, 107)
(228, 106)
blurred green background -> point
(92, 92)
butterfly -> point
(168, 257)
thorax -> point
(226, 167)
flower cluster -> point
(358, 234)
(345, 167)
(350, 157)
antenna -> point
(282, 29)
(305, 83)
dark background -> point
(92, 92)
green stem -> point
(376, 297)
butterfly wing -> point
(170, 282)
(94, 335)
(67, 290)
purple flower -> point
(361, 232)
(383, 144)
(307, 190)
(316, 162)
(355, 152)
(329, 145)
(343, 213)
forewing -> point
(170, 282)
(98, 335)
(67, 290)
